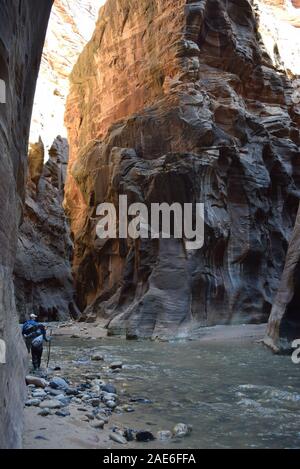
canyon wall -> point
(42, 275)
(71, 25)
(22, 32)
(179, 101)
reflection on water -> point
(234, 395)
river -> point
(235, 394)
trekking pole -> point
(49, 350)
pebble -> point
(129, 434)
(116, 365)
(33, 402)
(98, 425)
(58, 383)
(181, 430)
(44, 412)
(102, 418)
(62, 413)
(39, 393)
(97, 357)
(38, 382)
(53, 392)
(95, 402)
(51, 404)
(111, 404)
(164, 435)
(118, 438)
(109, 388)
(144, 436)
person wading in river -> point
(34, 334)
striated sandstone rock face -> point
(43, 277)
(178, 101)
(284, 322)
(21, 42)
(71, 25)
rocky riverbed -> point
(218, 390)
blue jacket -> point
(33, 326)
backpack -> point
(37, 342)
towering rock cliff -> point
(43, 277)
(71, 25)
(21, 43)
(179, 101)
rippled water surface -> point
(234, 395)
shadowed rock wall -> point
(178, 101)
(22, 32)
(43, 276)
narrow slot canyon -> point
(167, 102)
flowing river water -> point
(235, 394)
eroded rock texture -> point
(176, 100)
(21, 43)
(43, 277)
(284, 322)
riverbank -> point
(221, 383)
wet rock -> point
(97, 357)
(116, 365)
(59, 383)
(44, 412)
(95, 402)
(32, 402)
(111, 404)
(117, 438)
(164, 435)
(71, 392)
(63, 399)
(53, 392)
(63, 413)
(181, 430)
(109, 388)
(129, 434)
(140, 400)
(99, 425)
(36, 381)
(51, 404)
(75, 336)
(102, 417)
(144, 436)
(39, 394)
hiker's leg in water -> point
(40, 353)
(36, 353)
(34, 358)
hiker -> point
(34, 334)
